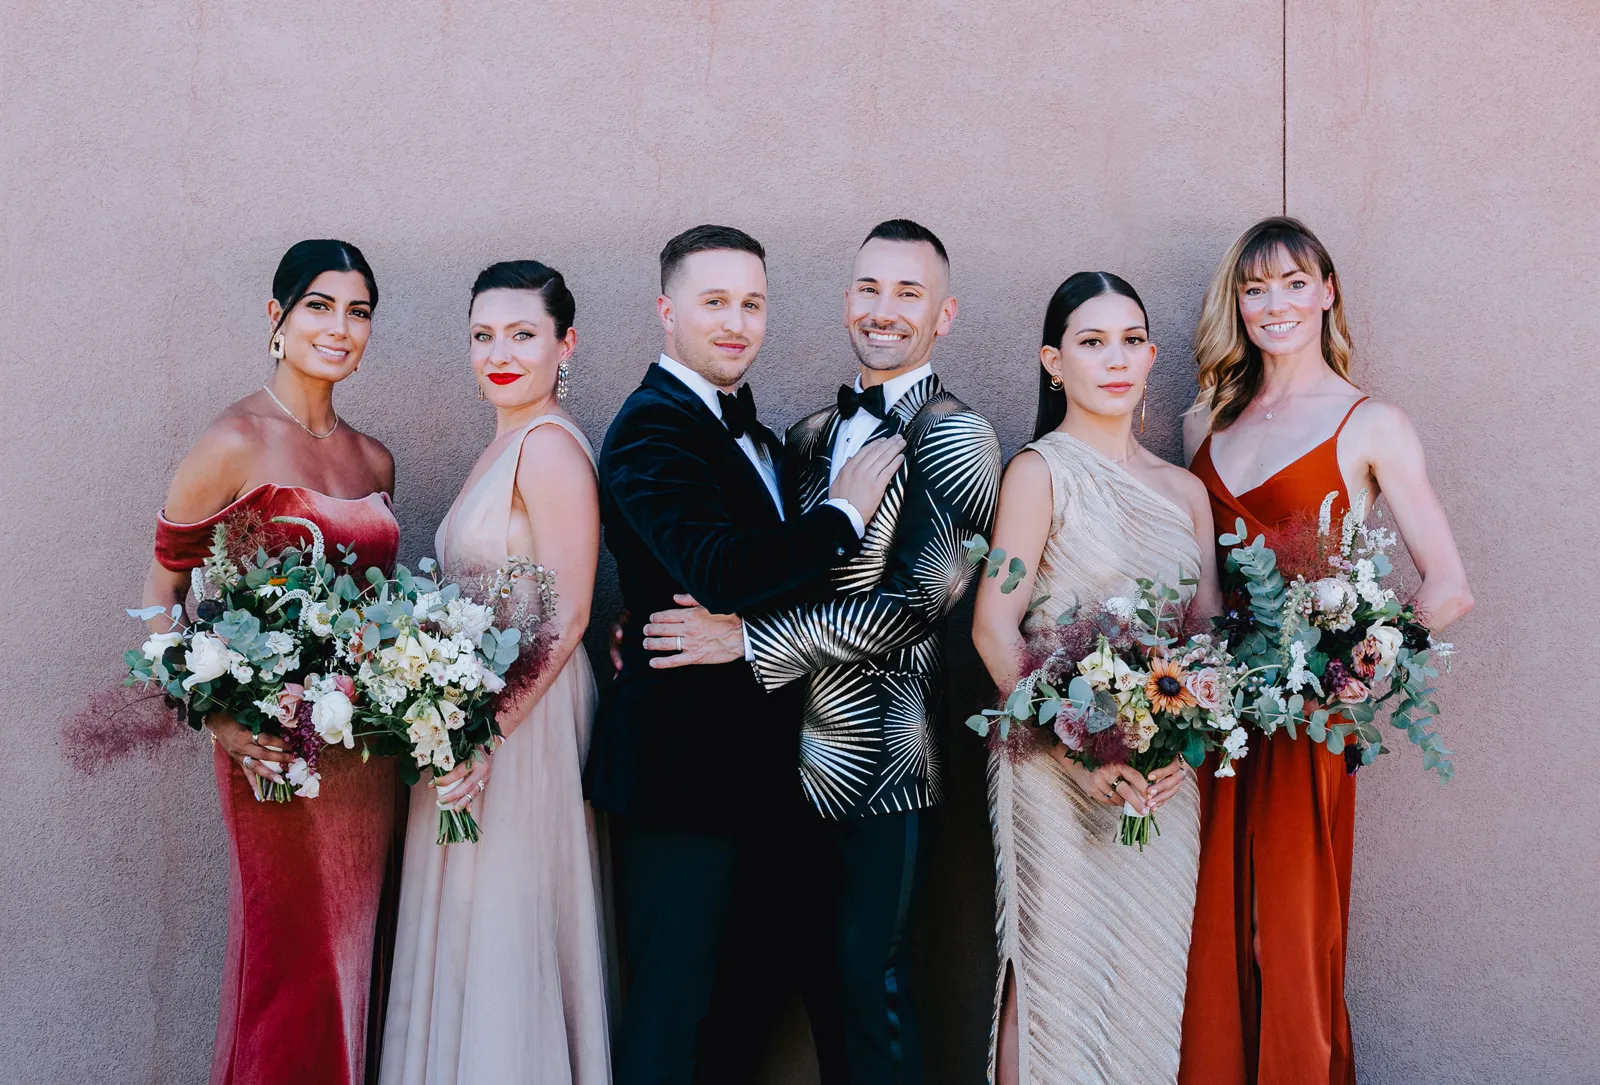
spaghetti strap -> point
(1347, 415)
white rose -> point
(1334, 595)
(331, 713)
(207, 659)
(1388, 640)
(157, 645)
(306, 783)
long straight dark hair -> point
(1063, 303)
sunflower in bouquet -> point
(1116, 683)
(1326, 654)
(264, 646)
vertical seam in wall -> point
(1283, 102)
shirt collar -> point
(694, 382)
(896, 387)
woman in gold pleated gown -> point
(1093, 934)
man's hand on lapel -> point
(866, 475)
(693, 635)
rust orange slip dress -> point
(1280, 832)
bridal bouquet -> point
(266, 647)
(1342, 644)
(432, 664)
(1114, 684)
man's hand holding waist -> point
(693, 635)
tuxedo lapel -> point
(736, 464)
(816, 473)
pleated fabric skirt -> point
(1096, 932)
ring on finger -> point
(680, 644)
(248, 761)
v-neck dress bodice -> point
(499, 962)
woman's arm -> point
(1207, 602)
(1398, 465)
(556, 486)
(209, 479)
(1021, 529)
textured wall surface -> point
(158, 158)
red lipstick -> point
(505, 378)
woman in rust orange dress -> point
(1276, 428)
(305, 876)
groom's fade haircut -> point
(906, 230)
(706, 238)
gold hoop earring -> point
(562, 373)
(276, 347)
(1055, 382)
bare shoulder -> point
(1183, 487)
(1379, 430)
(216, 467)
(1028, 470)
(553, 461)
(376, 455)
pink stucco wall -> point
(158, 158)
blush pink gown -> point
(305, 877)
(499, 972)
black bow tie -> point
(871, 401)
(739, 412)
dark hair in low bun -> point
(305, 260)
(533, 276)
(1082, 287)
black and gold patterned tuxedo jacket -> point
(873, 650)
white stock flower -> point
(489, 680)
(208, 658)
(1234, 743)
(279, 643)
(306, 783)
(426, 604)
(464, 618)
(271, 707)
(154, 648)
(1122, 607)
(1224, 770)
(1298, 677)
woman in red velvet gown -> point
(306, 876)
(1278, 427)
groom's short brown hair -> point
(705, 239)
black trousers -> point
(824, 908)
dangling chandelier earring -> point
(276, 349)
(480, 390)
(562, 373)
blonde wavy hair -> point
(1230, 364)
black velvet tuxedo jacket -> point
(872, 653)
(684, 510)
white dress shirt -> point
(853, 432)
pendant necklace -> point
(319, 436)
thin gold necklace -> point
(319, 436)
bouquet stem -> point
(268, 791)
(457, 827)
(1137, 829)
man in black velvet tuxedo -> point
(694, 762)
(870, 654)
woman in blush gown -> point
(499, 965)
(1093, 934)
(305, 877)
(1276, 429)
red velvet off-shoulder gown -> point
(306, 876)
(1281, 833)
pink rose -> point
(289, 702)
(1354, 691)
(1365, 657)
(1206, 686)
(345, 685)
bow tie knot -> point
(871, 401)
(739, 412)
